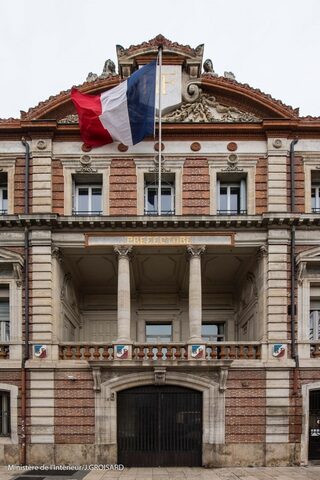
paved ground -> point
(275, 473)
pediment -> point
(7, 256)
(308, 256)
(222, 99)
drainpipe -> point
(26, 308)
(294, 351)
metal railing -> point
(155, 212)
(87, 212)
(232, 212)
(163, 352)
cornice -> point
(162, 223)
(255, 94)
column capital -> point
(195, 250)
(122, 250)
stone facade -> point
(97, 280)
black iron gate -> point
(314, 425)
(159, 426)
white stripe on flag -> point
(114, 116)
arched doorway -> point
(159, 426)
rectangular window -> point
(3, 193)
(315, 198)
(231, 195)
(212, 332)
(87, 196)
(5, 414)
(167, 195)
(314, 332)
(4, 314)
(158, 332)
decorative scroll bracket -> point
(96, 374)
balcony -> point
(171, 352)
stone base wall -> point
(250, 455)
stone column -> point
(195, 293)
(124, 300)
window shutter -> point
(218, 195)
(243, 195)
(4, 321)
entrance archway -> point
(159, 426)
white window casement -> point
(4, 313)
(6, 186)
(315, 197)
(3, 193)
(314, 325)
(167, 195)
(87, 197)
(311, 183)
(231, 196)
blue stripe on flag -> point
(141, 91)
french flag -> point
(124, 114)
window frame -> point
(158, 340)
(90, 187)
(242, 202)
(5, 423)
(316, 186)
(153, 185)
(5, 326)
(218, 324)
(3, 211)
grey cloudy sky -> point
(49, 45)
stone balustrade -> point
(161, 352)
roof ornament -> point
(208, 67)
(229, 75)
(109, 70)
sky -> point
(49, 45)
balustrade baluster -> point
(214, 351)
(69, 352)
(141, 352)
(105, 353)
(223, 352)
(78, 353)
(232, 352)
(169, 352)
(177, 353)
(150, 352)
(96, 353)
(87, 352)
(159, 354)
(250, 352)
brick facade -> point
(195, 187)
(123, 187)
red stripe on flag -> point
(93, 133)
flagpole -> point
(160, 131)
